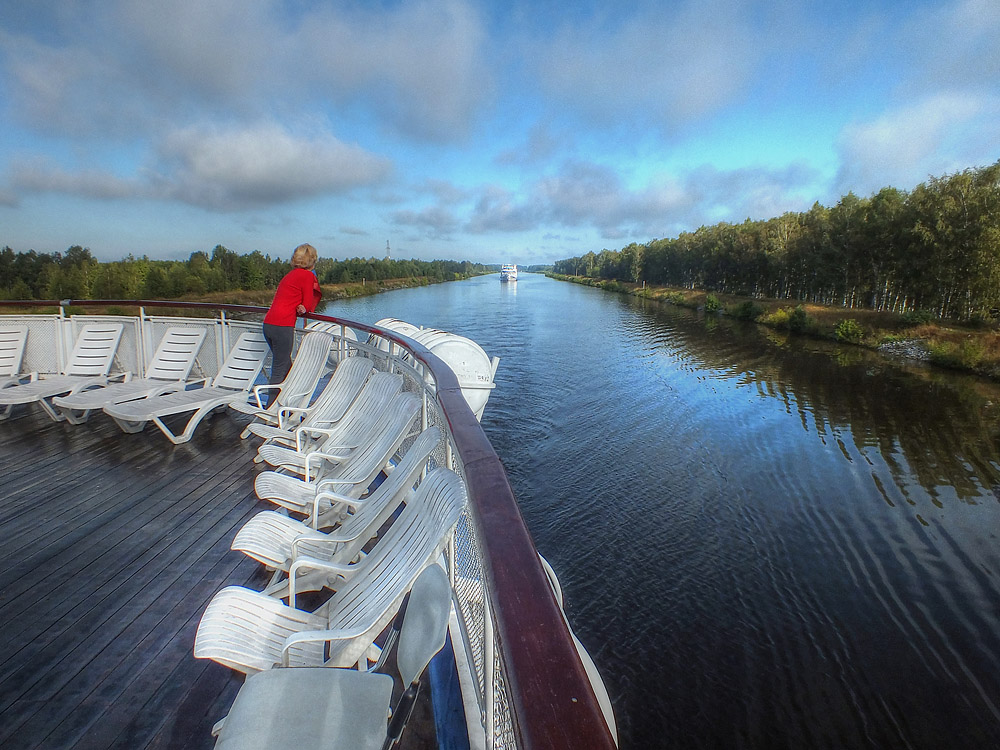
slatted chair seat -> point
(13, 340)
(239, 371)
(347, 434)
(89, 366)
(343, 478)
(329, 408)
(250, 631)
(278, 541)
(168, 371)
(299, 385)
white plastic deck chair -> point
(13, 340)
(343, 338)
(251, 632)
(278, 541)
(89, 366)
(168, 371)
(299, 385)
(347, 480)
(338, 394)
(241, 368)
(350, 432)
(312, 707)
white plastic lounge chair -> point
(12, 342)
(345, 480)
(237, 375)
(278, 541)
(339, 393)
(343, 338)
(167, 372)
(297, 389)
(350, 432)
(89, 365)
(311, 707)
(250, 632)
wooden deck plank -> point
(113, 545)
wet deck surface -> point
(111, 546)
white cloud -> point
(42, 176)
(955, 46)
(264, 165)
(938, 134)
(434, 221)
(126, 67)
(223, 170)
(654, 64)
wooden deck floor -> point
(111, 545)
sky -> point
(483, 130)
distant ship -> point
(508, 272)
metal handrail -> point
(554, 706)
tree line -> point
(76, 274)
(934, 249)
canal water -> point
(764, 541)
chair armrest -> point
(313, 431)
(313, 540)
(312, 563)
(334, 498)
(311, 636)
(287, 411)
(258, 388)
(321, 455)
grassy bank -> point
(968, 348)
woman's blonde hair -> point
(304, 256)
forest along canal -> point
(764, 541)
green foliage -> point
(799, 321)
(77, 275)
(917, 318)
(712, 303)
(746, 310)
(966, 355)
(849, 331)
(935, 249)
(777, 319)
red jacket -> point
(299, 287)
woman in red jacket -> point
(297, 293)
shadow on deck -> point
(112, 546)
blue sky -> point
(484, 131)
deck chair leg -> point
(51, 410)
(76, 416)
(170, 435)
(6, 412)
(130, 427)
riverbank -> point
(967, 348)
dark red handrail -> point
(553, 703)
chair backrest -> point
(339, 393)
(357, 529)
(243, 363)
(175, 355)
(307, 368)
(384, 440)
(12, 343)
(94, 350)
(425, 622)
(363, 414)
(369, 598)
